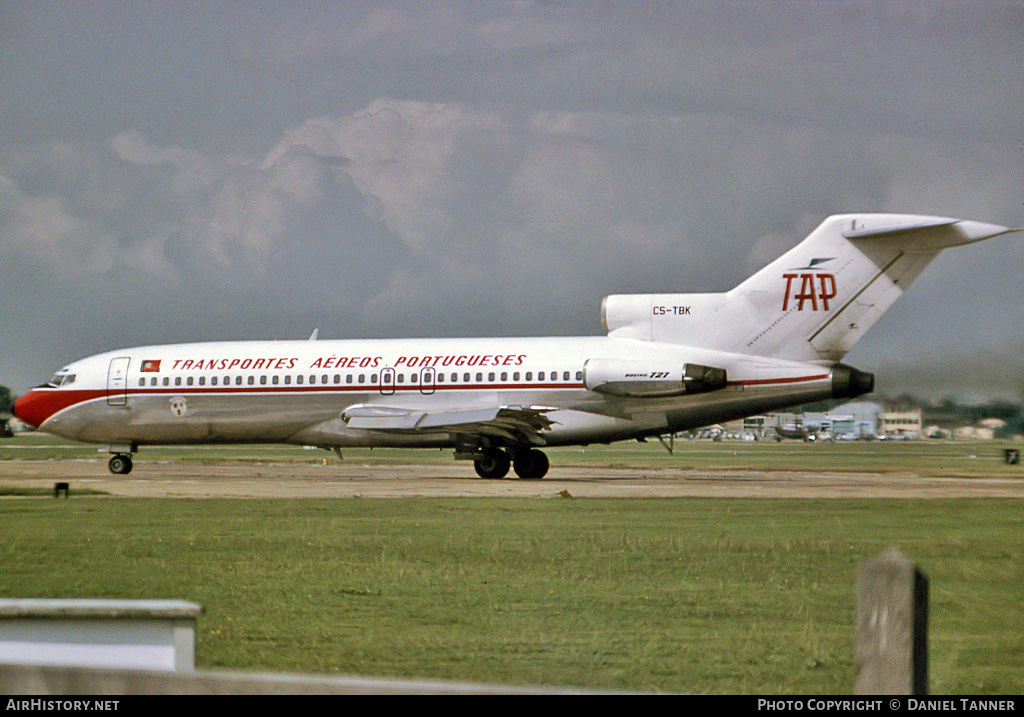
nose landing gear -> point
(120, 464)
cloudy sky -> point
(181, 171)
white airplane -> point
(670, 362)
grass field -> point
(708, 595)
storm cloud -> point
(226, 171)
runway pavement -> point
(354, 480)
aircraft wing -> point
(517, 423)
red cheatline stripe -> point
(772, 381)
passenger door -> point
(117, 381)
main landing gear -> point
(528, 464)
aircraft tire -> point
(494, 464)
(531, 464)
(120, 465)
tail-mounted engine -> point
(650, 378)
(848, 382)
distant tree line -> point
(6, 410)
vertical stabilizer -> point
(811, 304)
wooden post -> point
(892, 627)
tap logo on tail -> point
(808, 287)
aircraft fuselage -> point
(299, 391)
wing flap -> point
(379, 418)
(510, 422)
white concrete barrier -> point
(128, 634)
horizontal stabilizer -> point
(928, 234)
(895, 229)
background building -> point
(905, 424)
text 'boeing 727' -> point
(670, 362)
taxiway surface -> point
(354, 480)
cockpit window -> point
(61, 379)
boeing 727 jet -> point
(669, 362)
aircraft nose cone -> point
(34, 407)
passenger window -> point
(287, 380)
(298, 379)
(188, 381)
(348, 378)
(565, 376)
(274, 379)
(579, 375)
(142, 381)
(504, 376)
(479, 378)
(529, 375)
(213, 381)
(263, 380)
(515, 376)
(362, 378)
(202, 380)
(238, 380)
(490, 377)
